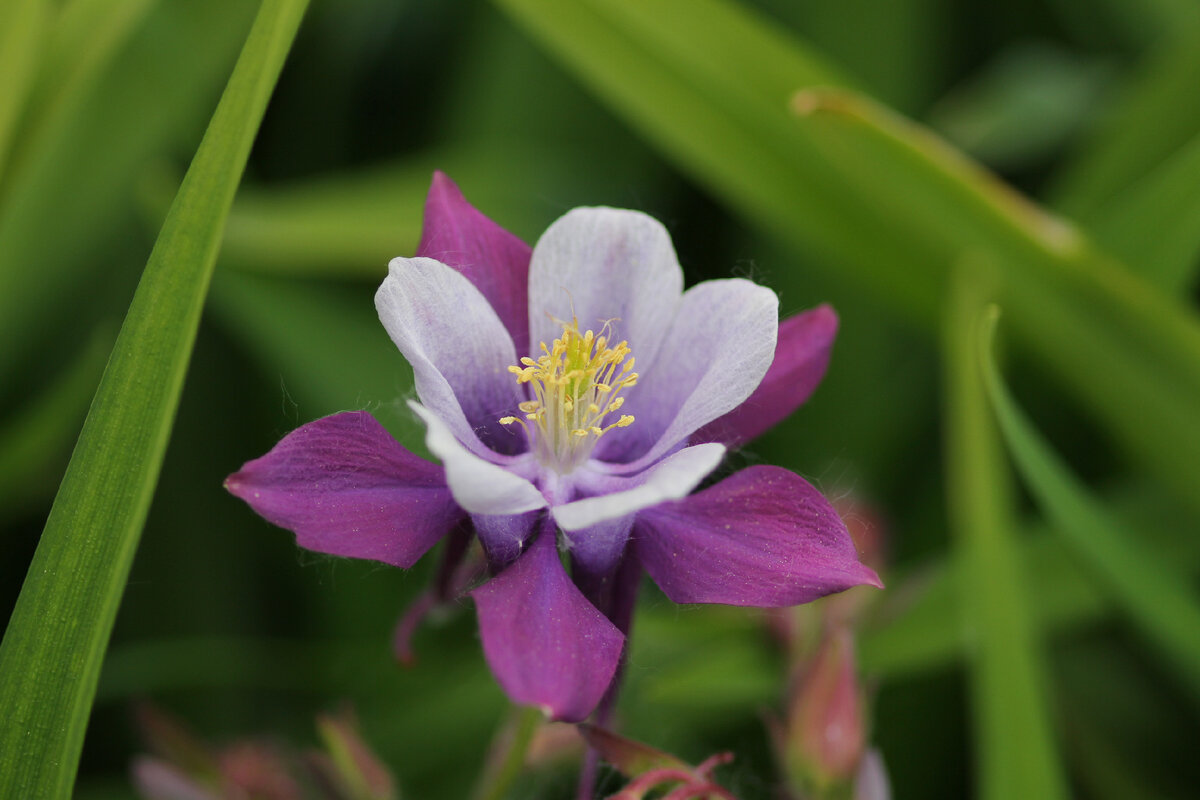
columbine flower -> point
(549, 438)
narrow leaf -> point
(1014, 743)
(22, 28)
(1153, 591)
(918, 629)
(1076, 310)
(866, 193)
(1154, 223)
(54, 645)
(629, 756)
(82, 41)
(71, 199)
(1154, 115)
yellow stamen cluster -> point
(576, 383)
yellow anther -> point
(575, 382)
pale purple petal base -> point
(546, 644)
(801, 358)
(611, 496)
(497, 262)
(347, 488)
(762, 537)
(479, 486)
(504, 536)
(597, 549)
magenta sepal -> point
(345, 487)
(546, 644)
(801, 358)
(494, 260)
(761, 537)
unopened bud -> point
(826, 730)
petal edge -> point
(762, 537)
(345, 487)
(546, 644)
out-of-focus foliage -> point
(849, 152)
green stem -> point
(506, 758)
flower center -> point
(576, 383)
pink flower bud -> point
(826, 730)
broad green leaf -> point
(82, 41)
(1153, 591)
(1130, 352)
(1021, 107)
(876, 197)
(69, 207)
(35, 441)
(1154, 115)
(352, 224)
(1014, 742)
(709, 85)
(1154, 223)
(54, 645)
(22, 29)
(1139, 22)
(893, 48)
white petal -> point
(603, 264)
(716, 353)
(672, 478)
(459, 349)
(479, 486)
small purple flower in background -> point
(548, 438)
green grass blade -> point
(1155, 115)
(85, 36)
(1152, 590)
(1015, 746)
(917, 628)
(22, 29)
(875, 197)
(351, 224)
(71, 199)
(1129, 352)
(54, 645)
(1154, 223)
(1140, 22)
(708, 84)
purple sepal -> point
(546, 644)
(761, 537)
(801, 358)
(345, 487)
(494, 260)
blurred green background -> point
(685, 111)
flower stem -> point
(506, 757)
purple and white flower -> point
(549, 440)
